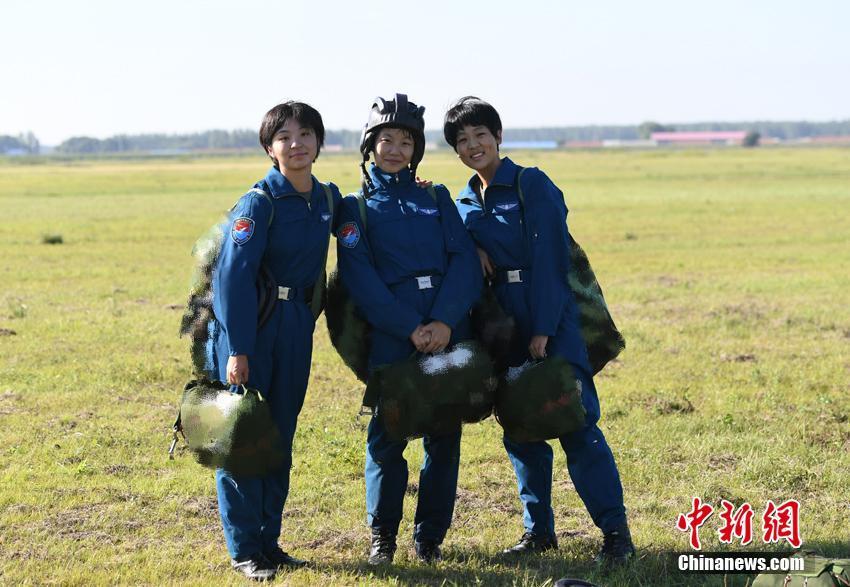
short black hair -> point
(470, 111)
(306, 115)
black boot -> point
(617, 547)
(282, 560)
(428, 551)
(532, 543)
(383, 547)
(256, 568)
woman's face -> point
(294, 147)
(477, 148)
(393, 149)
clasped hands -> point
(432, 337)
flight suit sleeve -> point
(235, 288)
(547, 222)
(462, 281)
(370, 294)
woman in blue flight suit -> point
(282, 224)
(528, 266)
(413, 273)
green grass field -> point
(728, 272)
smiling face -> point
(478, 149)
(393, 149)
(294, 147)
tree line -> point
(349, 139)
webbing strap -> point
(319, 286)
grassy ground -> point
(728, 271)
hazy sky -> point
(98, 68)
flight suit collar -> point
(505, 176)
(385, 180)
(280, 186)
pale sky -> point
(98, 67)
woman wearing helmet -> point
(280, 228)
(412, 271)
(524, 248)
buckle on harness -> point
(424, 282)
(514, 276)
(283, 292)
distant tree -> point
(646, 129)
(751, 139)
(80, 145)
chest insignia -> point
(326, 217)
(507, 207)
(242, 230)
(348, 235)
(429, 211)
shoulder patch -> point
(242, 230)
(349, 235)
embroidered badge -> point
(429, 211)
(349, 235)
(326, 217)
(242, 231)
(507, 207)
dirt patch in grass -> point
(666, 406)
(117, 470)
(339, 540)
(723, 462)
(7, 332)
(201, 507)
(739, 358)
(80, 523)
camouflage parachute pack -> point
(434, 394)
(231, 431)
(540, 401)
(199, 307)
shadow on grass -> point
(471, 567)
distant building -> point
(628, 143)
(530, 145)
(730, 137)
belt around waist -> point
(510, 276)
(420, 282)
(291, 294)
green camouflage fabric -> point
(230, 431)
(348, 330)
(604, 342)
(434, 394)
(199, 307)
(540, 401)
(818, 572)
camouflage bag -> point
(817, 572)
(601, 337)
(231, 431)
(540, 401)
(434, 394)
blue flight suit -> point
(408, 235)
(543, 304)
(293, 247)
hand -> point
(440, 334)
(537, 346)
(420, 338)
(423, 183)
(237, 370)
(486, 264)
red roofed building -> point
(726, 137)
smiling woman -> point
(410, 268)
(279, 231)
